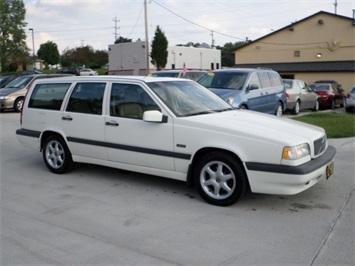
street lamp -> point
(33, 48)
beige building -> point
(321, 46)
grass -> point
(335, 125)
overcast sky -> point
(73, 23)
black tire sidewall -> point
(68, 161)
(234, 165)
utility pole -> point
(212, 46)
(146, 34)
(335, 7)
(116, 20)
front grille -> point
(319, 146)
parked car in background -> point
(256, 89)
(189, 74)
(338, 90)
(4, 80)
(72, 70)
(328, 97)
(350, 100)
(173, 128)
(300, 96)
(12, 95)
(88, 72)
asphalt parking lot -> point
(96, 215)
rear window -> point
(48, 96)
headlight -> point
(296, 152)
(4, 97)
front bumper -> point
(288, 180)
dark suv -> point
(248, 88)
(73, 71)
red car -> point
(328, 98)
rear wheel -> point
(332, 105)
(220, 178)
(296, 109)
(279, 110)
(18, 104)
(56, 155)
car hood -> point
(7, 91)
(250, 124)
(225, 93)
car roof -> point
(245, 70)
(104, 78)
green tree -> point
(49, 53)
(159, 53)
(84, 55)
(123, 40)
(12, 33)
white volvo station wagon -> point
(174, 128)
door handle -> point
(113, 123)
(67, 118)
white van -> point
(173, 128)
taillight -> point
(23, 104)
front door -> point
(130, 140)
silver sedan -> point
(350, 100)
(300, 96)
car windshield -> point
(19, 82)
(166, 74)
(224, 80)
(188, 98)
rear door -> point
(83, 122)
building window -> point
(296, 54)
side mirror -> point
(253, 87)
(154, 116)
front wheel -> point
(56, 155)
(220, 178)
(316, 106)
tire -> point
(279, 110)
(332, 105)
(220, 178)
(316, 106)
(18, 104)
(343, 102)
(56, 155)
(243, 107)
(296, 109)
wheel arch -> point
(198, 155)
(46, 134)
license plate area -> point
(329, 170)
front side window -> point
(264, 80)
(254, 80)
(48, 96)
(87, 98)
(130, 101)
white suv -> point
(173, 128)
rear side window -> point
(87, 98)
(48, 96)
(275, 79)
